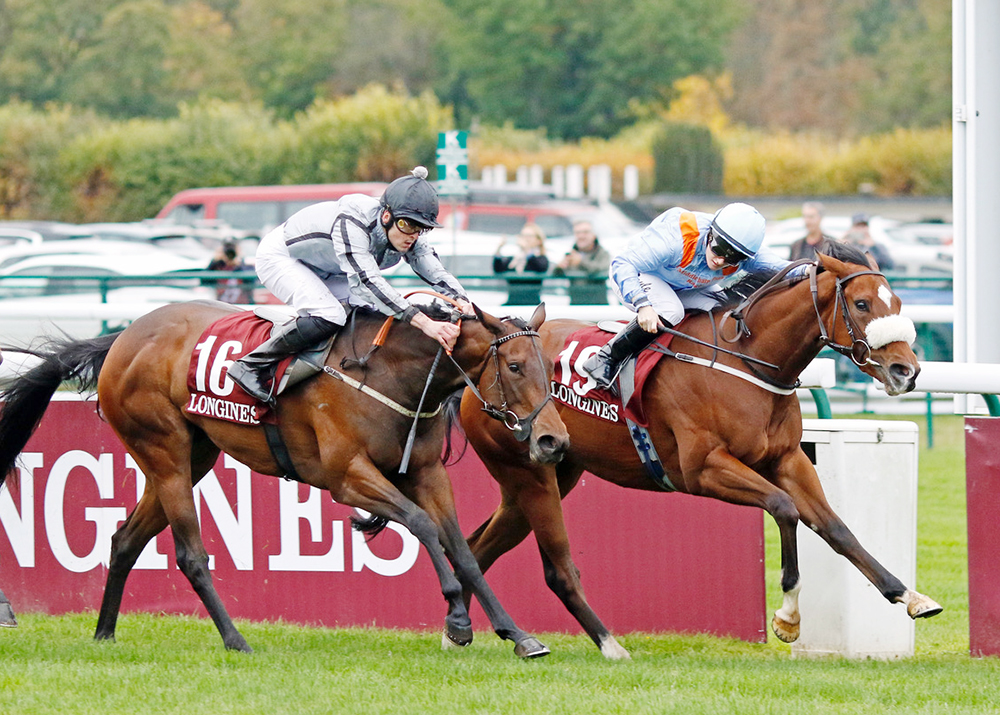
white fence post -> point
(630, 182)
(521, 176)
(559, 181)
(574, 181)
(536, 176)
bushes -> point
(59, 164)
(687, 159)
(903, 163)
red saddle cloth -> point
(574, 388)
(213, 394)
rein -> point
(859, 350)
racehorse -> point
(340, 440)
(717, 435)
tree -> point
(575, 68)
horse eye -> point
(861, 305)
(514, 368)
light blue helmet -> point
(741, 226)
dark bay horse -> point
(339, 439)
(717, 435)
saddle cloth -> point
(574, 388)
(213, 394)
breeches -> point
(295, 284)
(669, 303)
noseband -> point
(520, 426)
(860, 351)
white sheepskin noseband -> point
(882, 331)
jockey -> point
(331, 253)
(676, 264)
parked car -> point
(116, 266)
(911, 257)
(181, 240)
(254, 209)
(38, 231)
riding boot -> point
(605, 364)
(254, 372)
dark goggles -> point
(409, 228)
(725, 250)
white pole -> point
(630, 182)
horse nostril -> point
(552, 447)
(901, 370)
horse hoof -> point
(7, 619)
(786, 632)
(240, 645)
(531, 647)
(458, 636)
(448, 643)
(613, 650)
(920, 606)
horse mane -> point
(738, 291)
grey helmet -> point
(413, 197)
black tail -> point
(452, 421)
(27, 397)
(371, 526)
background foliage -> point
(108, 107)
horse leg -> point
(143, 524)
(192, 558)
(7, 619)
(365, 487)
(432, 491)
(532, 501)
(721, 476)
(798, 478)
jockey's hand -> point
(442, 333)
(648, 319)
(465, 307)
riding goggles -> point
(409, 228)
(725, 250)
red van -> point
(255, 209)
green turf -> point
(177, 665)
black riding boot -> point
(254, 372)
(605, 364)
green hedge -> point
(58, 164)
(687, 159)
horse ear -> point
(489, 322)
(538, 317)
(872, 263)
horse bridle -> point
(860, 351)
(520, 426)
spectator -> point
(231, 290)
(859, 235)
(815, 241)
(530, 256)
(587, 255)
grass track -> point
(174, 664)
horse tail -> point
(27, 397)
(371, 526)
(453, 423)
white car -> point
(108, 265)
(911, 257)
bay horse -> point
(717, 435)
(339, 440)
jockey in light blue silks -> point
(676, 264)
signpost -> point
(453, 177)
